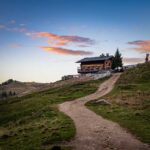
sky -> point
(41, 40)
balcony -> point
(88, 70)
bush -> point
(4, 94)
(56, 148)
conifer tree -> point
(4, 94)
(117, 60)
(10, 93)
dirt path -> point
(94, 132)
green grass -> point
(130, 100)
(136, 121)
(33, 121)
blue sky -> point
(41, 40)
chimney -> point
(147, 58)
(107, 54)
(102, 55)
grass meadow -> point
(130, 102)
(34, 122)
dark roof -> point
(89, 59)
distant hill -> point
(21, 88)
(25, 88)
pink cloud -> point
(62, 40)
(64, 51)
(142, 45)
(55, 41)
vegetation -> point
(117, 60)
(130, 102)
(8, 82)
(34, 122)
(4, 94)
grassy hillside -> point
(33, 121)
(130, 100)
(20, 88)
(12, 88)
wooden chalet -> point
(95, 64)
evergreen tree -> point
(4, 94)
(117, 60)
(10, 93)
(113, 66)
(14, 93)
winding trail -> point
(94, 132)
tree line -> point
(5, 94)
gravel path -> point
(94, 132)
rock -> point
(102, 102)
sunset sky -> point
(40, 40)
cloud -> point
(13, 28)
(12, 21)
(22, 24)
(62, 40)
(64, 51)
(133, 60)
(2, 26)
(15, 45)
(56, 42)
(142, 45)
(82, 45)
(18, 29)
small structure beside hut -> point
(147, 58)
(67, 77)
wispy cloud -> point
(12, 21)
(65, 51)
(55, 42)
(2, 26)
(82, 45)
(15, 45)
(133, 60)
(62, 40)
(22, 24)
(18, 29)
(142, 45)
(13, 28)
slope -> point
(130, 101)
(33, 121)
